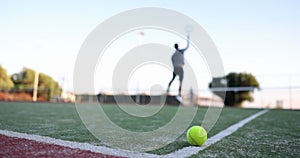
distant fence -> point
(286, 97)
(267, 97)
(276, 97)
(127, 99)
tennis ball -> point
(196, 135)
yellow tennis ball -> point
(196, 135)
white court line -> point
(191, 150)
(77, 145)
(184, 152)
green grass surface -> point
(274, 133)
(229, 116)
(53, 120)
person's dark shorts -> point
(178, 71)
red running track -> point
(18, 147)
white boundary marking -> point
(77, 145)
(184, 152)
(191, 150)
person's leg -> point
(169, 85)
(180, 80)
(179, 90)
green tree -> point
(47, 87)
(240, 86)
(24, 79)
(47, 83)
(5, 81)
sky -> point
(258, 37)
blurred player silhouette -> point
(178, 63)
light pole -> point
(140, 36)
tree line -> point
(23, 81)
